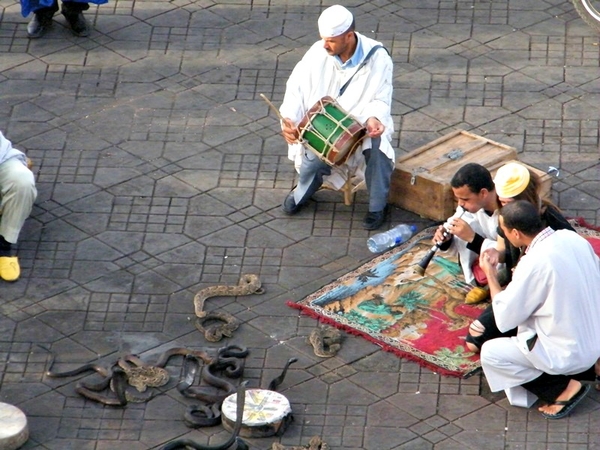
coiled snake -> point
(326, 341)
(122, 376)
(249, 284)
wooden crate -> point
(545, 178)
(421, 179)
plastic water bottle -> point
(383, 241)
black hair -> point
(522, 216)
(475, 176)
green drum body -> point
(330, 132)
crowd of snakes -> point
(208, 376)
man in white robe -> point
(323, 71)
(554, 302)
(477, 229)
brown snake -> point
(248, 284)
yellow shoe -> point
(477, 295)
(9, 268)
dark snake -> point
(115, 376)
(208, 413)
(240, 444)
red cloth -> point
(479, 274)
(595, 244)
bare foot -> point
(597, 370)
(572, 389)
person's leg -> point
(41, 20)
(378, 174)
(312, 171)
(18, 192)
(506, 368)
(560, 393)
(73, 12)
(483, 329)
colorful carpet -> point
(421, 318)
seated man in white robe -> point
(554, 302)
(323, 71)
(477, 228)
(17, 194)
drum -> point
(330, 132)
(266, 413)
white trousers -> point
(17, 192)
(506, 367)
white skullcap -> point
(334, 21)
(511, 179)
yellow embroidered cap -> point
(334, 21)
(511, 179)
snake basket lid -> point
(13, 427)
(266, 413)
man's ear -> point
(516, 233)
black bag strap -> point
(373, 49)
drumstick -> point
(264, 97)
(273, 107)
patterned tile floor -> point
(160, 171)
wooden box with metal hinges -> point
(421, 179)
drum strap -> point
(376, 47)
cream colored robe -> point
(369, 94)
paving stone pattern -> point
(161, 171)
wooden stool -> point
(351, 186)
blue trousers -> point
(29, 6)
(377, 176)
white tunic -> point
(482, 224)
(369, 94)
(554, 294)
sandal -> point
(568, 405)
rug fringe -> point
(388, 348)
(582, 223)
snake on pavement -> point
(234, 439)
(127, 373)
(215, 325)
(315, 443)
(326, 341)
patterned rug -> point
(421, 318)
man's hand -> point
(374, 127)
(488, 262)
(490, 268)
(290, 131)
(462, 230)
(438, 237)
(493, 256)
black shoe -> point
(374, 220)
(289, 205)
(77, 22)
(38, 26)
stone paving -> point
(160, 172)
